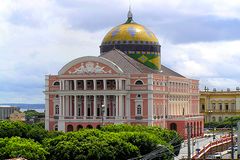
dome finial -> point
(130, 15)
(129, 11)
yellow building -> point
(218, 105)
(17, 116)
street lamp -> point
(102, 110)
(213, 128)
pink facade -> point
(83, 88)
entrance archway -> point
(89, 126)
(173, 126)
(79, 127)
(69, 128)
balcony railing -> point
(220, 111)
(88, 117)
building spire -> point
(130, 12)
(129, 15)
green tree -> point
(37, 133)
(19, 147)
(163, 135)
(10, 129)
(90, 144)
(31, 113)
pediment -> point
(90, 65)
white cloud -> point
(38, 37)
(215, 63)
(220, 83)
(220, 8)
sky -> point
(199, 39)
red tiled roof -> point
(130, 65)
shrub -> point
(19, 147)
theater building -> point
(126, 83)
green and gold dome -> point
(136, 41)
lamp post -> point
(213, 128)
(102, 110)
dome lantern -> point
(135, 40)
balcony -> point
(220, 111)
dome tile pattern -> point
(134, 40)
(130, 32)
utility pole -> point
(189, 143)
(232, 143)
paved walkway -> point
(200, 143)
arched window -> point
(56, 83)
(89, 126)
(173, 126)
(79, 127)
(69, 128)
(56, 127)
(57, 109)
(213, 119)
(139, 82)
(220, 119)
(98, 127)
(139, 109)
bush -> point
(19, 147)
(163, 135)
(10, 129)
(90, 144)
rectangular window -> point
(57, 109)
(139, 110)
(226, 106)
(98, 111)
(220, 106)
(213, 106)
(233, 106)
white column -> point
(104, 84)
(116, 84)
(63, 85)
(117, 107)
(75, 107)
(105, 105)
(63, 113)
(70, 106)
(60, 84)
(94, 84)
(61, 123)
(150, 81)
(85, 106)
(164, 116)
(120, 107)
(60, 108)
(46, 112)
(95, 107)
(128, 109)
(150, 109)
(120, 84)
(85, 84)
(75, 85)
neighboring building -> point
(218, 105)
(17, 116)
(125, 84)
(6, 110)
